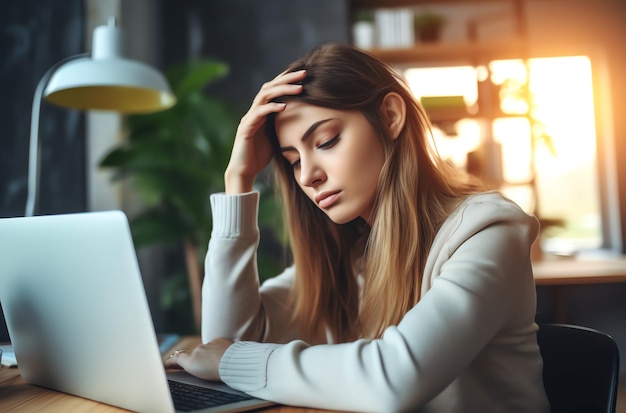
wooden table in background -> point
(576, 271)
(556, 273)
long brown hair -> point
(416, 192)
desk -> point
(18, 396)
(559, 272)
(573, 271)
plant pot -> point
(427, 26)
(428, 34)
(363, 34)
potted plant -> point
(175, 159)
(427, 26)
(363, 29)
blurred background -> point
(529, 95)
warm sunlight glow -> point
(567, 178)
(444, 81)
(564, 102)
(555, 96)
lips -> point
(326, 199)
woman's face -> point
(336, 158)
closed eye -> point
(329, 144)
(326, 145)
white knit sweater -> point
(469, 345)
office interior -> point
(256, 39)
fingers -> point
(282, 85)
(172, 360)
(252, 151)
(203, 361)
(264, 104)
(195, 364)
(182, 360)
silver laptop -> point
(78, 316)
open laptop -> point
(78, 316)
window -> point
(543, 128)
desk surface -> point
(18, 396)
(571, 271)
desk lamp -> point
(104, 81)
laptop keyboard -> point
(188, 397)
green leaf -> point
(158, 226)
(195, 76)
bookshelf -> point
(470, 47)
(404, 3)
(468, 50)
(452, 53)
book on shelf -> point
(394, 27)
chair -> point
(581, 368)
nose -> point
(311, 174)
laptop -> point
(78, 316)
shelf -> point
(427, 54)
(437, 116)
(354, 4)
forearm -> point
(233, 304)
(367, 376)
(230, 292)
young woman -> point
(411, 287)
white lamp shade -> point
(108, 81)
(115, 84)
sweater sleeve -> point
(234, 305)
(477, 317)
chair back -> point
(580, 368)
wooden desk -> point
(560, 272)
(18, 396)
(573, 271)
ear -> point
(394, 110)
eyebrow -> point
(307, 133)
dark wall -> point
(256, 38)
(34, 35)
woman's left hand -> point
(203, 361)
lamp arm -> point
(33, 150)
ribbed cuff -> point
(235, 215)
(244, 365)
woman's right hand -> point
(252, 150)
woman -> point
(411, 287)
